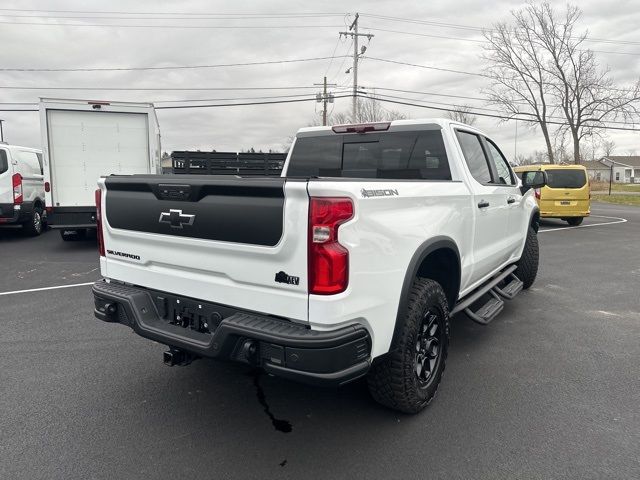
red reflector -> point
(16, 181)
(362, 127)
(47, 187)
(537, 192)
(98, 196)
(49, 209)
(328, 259)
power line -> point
(388, 100)
(343, 62)
(428, 93)
(197, 100)
(442, 69)
(312, 99)
(206, 27)
(502, 117)
(480, 29)
(463, 72)
(416, 34)
(93, 12)
(174, 67)
(233, 98)
(198, 18)
(186, 89)
(423, 35)
(333, 56)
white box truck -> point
(84, 140)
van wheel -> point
(407, 378)
(528, 264)
(575, 221)
(33, 226)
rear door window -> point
(566, 178)
(392, 155)
(505, 177)
(474, 156)
(4, 162)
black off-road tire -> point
(528, 263)
(34, 226)
(393, 380)
(575, 221)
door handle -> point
(511, 200)
(483, 204)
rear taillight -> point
(537, 192)
(99, 222)
(328, 260)
(16, 180)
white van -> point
(22, 195)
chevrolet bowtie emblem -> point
(176, 218)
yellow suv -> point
(567, 194)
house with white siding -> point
(625, 169)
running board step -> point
(509, 291)
(488, 311)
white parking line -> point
(46, 288)
(615, 220)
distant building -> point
(598, 172)
(626, 169)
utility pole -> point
(353, 32)
(325, 97)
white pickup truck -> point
(350, 264)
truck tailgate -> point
(236, 241)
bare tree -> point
(463, 115)
(520, 84)
(339, 118)
(585, 93)
(608, 146)
(370, 110)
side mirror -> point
(533, 179)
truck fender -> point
(418, 257)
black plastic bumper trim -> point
(335, 378)
(286, 348)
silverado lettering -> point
(123, 254)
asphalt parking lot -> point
(550, 389)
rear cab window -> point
(418, 155)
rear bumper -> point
(279, 346)
(15, 214)
(565, 214)
(554, 208)
(70, 218)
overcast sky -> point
(268, 126)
